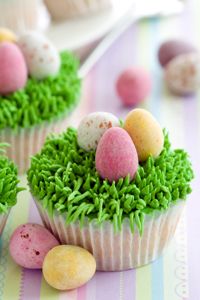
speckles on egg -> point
(29, 244)
(92, 127)
(182, 74)
(41, 56)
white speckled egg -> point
(41, 56)
(93, 126)
(182, 74)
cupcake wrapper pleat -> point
(122, 250)
(3, 219)
(27, 142)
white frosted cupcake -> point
(8, 187)
(126, 219)
(64, 9)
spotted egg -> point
(92, 127)
(41, 56)
(182, 74)
(146, 133)
(29, 244)
(7, 35)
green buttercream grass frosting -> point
(63, 179)
(42, 100)
(8, 182)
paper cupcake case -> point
(118, 251)
(3, 219)
(62, 9)
(26, 142)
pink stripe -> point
(31, 279)
(82, 292)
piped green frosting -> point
(42, 100)
(8, 182)
(64, 179)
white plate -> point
(77, 33)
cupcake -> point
(21, 15)
(108, 186)
(8, 187)
(38, 89)
(73, 8)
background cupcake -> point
(136, 214)
(64, 9)
(20, 15)
(32, 107)
(8, 187)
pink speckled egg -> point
(29, 244)
(116, 155)
(13, 70)
(133, 86)
(173, 48)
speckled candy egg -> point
(173, 48)
(41, 56)
(29, 244)
(182, 74)
(13, 71)
(68, 267)
(92, 127)
(116, 156)
(145, 132)
(7, 35)
(133, 86)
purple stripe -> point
(31, 279)
(129, 286)
(107, 285)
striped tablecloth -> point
(175, 276)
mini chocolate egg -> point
(29, 244)
(133, 86)
(41, 56)
(173, 48)
(13, 71)
(92, 127)
(68, 267)
(116, 156)
(146, 133)
(7, 35)
(182, 74)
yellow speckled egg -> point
(7, 35)
(145, 132)
(68, 267)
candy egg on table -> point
(133, 85)
(68, 267)
(29, 244)
(13, 70)
(7, 35)
(146, 133)
(41, 56)
(92, 127)
(116, 155)
(173, 48)
(182, 74)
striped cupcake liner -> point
(118, 251)
(27, 142)
(72, 8)
(3, 219)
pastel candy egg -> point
(7, 35)
(116, 156)
(92, 127)
(182, 74)
(29, 244)
(68, 267)
(173, 48)
(133, 86)
(41, 56)
(146, 133)
(13, 71)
